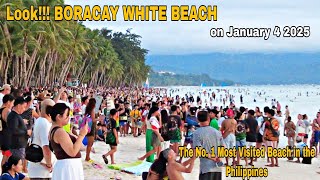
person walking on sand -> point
(111, 137)
(156, 136)
(174, 125)
(89, 113)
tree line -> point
(169, 79)
(41, 53)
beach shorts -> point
(316, 136)
(188, 140)
(240, 143)
(259, 138)
(123, 123)
(139, 124)
(249, 144)
(273, 144)
(230, 141)
(155, 140)
(175, 136)
(20, 153)
(133, 124)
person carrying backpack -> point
(271, 135)
(174, 128)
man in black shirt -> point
(18, 130)
(174, 125)
(253, 131)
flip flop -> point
(90, 161)
(269, 165)
(105, 159)
(97, 166)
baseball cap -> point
(4, 87)
(230, 113)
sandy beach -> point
(130, 148)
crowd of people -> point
(64, 121)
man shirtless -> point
(228, 129)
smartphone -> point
(220, 164)
(35, 101)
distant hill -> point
(251, 68)
(170, 79)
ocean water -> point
(306, 103)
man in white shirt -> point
(42, 170)
(84, 101)
(5, 89)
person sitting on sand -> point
(300, 145)
(158, 168)
(175, 169)
(12, 169)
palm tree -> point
(40, 53)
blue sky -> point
(193, 37)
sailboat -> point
(146, 85)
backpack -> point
(274, 127)
(164, 131)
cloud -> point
(194, 37)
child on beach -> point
(12, 169)
(111, 137)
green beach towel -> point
(124, 165)
(139, 169)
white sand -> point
(131, 148)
